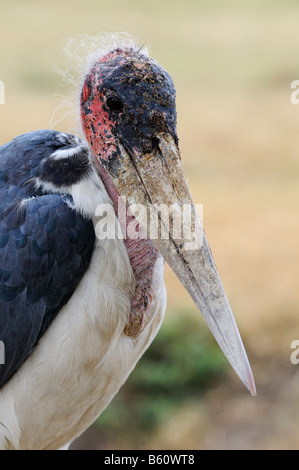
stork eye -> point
(114, 103)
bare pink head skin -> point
(128, 115)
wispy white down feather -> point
(80, 54)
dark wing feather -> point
(45, 248)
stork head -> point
(126, 99)
(128, 116)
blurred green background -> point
(232, 63)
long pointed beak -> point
(157, 178)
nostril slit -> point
(146, 146)
(155, 142)
(149, 144)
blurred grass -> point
(232, 63)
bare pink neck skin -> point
(143, 256)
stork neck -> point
(143, 256)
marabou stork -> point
(78, 311)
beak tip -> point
(252, 388)
(249, 382)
